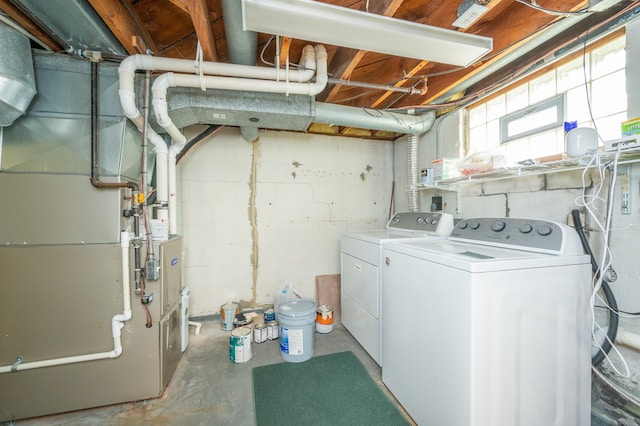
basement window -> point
(525, 119)
(532, 120)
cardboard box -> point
(445, 168)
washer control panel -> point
(429, 223)
(527, 234)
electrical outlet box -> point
(436, 203)
(153, 269)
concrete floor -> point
(207, 389)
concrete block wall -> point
(255, 216)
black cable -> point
(612, 330)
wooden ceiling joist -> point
(124, 23)
(199, 12)
(15, 14)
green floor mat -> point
(332, 389)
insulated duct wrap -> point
(17, 81)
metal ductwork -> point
(189, 106)
(242, 47)
(17, 80)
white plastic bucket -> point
(297, 318)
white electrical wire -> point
(552, 12)
(589, 202)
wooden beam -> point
(345, 60)
(124, 23)
(15, 14)
(199, 12)
(285, 47)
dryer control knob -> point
(526, 228)
(544, 230)
(434, 221)
(462, 225)
(498, 226)
(474, 225)
(420, 220)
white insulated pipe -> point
(117, 323)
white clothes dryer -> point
(490, 327)
(361, 254)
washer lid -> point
(297, 308)
(480, 258)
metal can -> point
(240, 345)
(260, 333)
(269, 315)
(272, 330)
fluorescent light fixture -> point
(339, 26)
(469, 13)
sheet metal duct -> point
(17, 81)
(238, 108)
(72, 23)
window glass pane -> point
(518, 150)
(542, 87)
(608, 58)
(532, 121)
(493, 134)
(609, 95)
(478, 115)
(517, 98)
(577, 107)
(479, 137)
(571, 74)
(495, 108)
(544, 144)
(609, 127)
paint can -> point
(269, 315)
(296, 319)
(272, 330)
(260, 333)
(240, 345)
(324, 319)
(228, 312)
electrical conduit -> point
(117, 323)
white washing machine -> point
(490, 327)
(361, 256)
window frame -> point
(557, 101)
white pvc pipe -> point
(197, 325)
(173, 207)
(161, 108)
(629, 339)
(162, 83)
(117, 323)
(131, 64)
